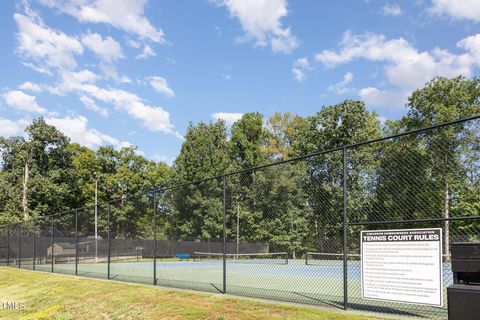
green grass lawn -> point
(51, 296)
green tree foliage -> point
(37, 173)
(61, 176)
(124, 175)
(247, 140)
(403, 189)
(268, 205)
(295, 206)
(439, 101)
(283, 136)
(273, 209)
(335, 126)
(198, 207)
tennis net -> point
(249, 258)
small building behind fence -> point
(61, 249)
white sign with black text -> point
(402, 265)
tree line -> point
(294, 206)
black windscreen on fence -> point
(63, 250)
(92, 226)
(26, 233)
(4, 247)
(131, 247)
(42, 241)
(286, 231)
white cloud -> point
(300, 66)
(126, 144)
(161, 158)
(147, 52)
(22, 101)
(392, 10)
(30, 86)
(71, 81)
(76, 128)
(9, 128)
(154, 118)
(341, 87)
(369, 46)
(229, 118)
(391, 99)
(90, 104)
(457, 9)
(107, 49)
(261, 22)
(302, 63)
(37, 68)
(84, 76)
(298, 74)
(45, 46)
(382, 119)
(127, 15)
(132, 43)
(161, 85)
(110, 72)
(406, 68)
(472, 45)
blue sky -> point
(136, 72)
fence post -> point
(76, 242)
(53, 241)
(8, 246)
(20, 246)
(34, 245)
(108, 236)
(345, 230)
(154, 238)
(224, 234)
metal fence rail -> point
(287, 231)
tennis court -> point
(315, 279)
(319, 202)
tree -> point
(442, 100)
(39, 166)
(282, 136)
(198, 206)
(85, 164)
(403, 188)
(333, 127)
(247, 140)
(122, 174)
(279, 215)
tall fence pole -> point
(224, 234)
(154, 238)
(8, 246)
(345, 230)
(52, 252)
(76, 242)
(108, 235)
(34, 244)
(20, 246)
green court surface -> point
(319, 284)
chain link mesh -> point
(274, 232)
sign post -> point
(402, 265)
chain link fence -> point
(287, 231)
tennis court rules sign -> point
(402, 265)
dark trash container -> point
(464, 294)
